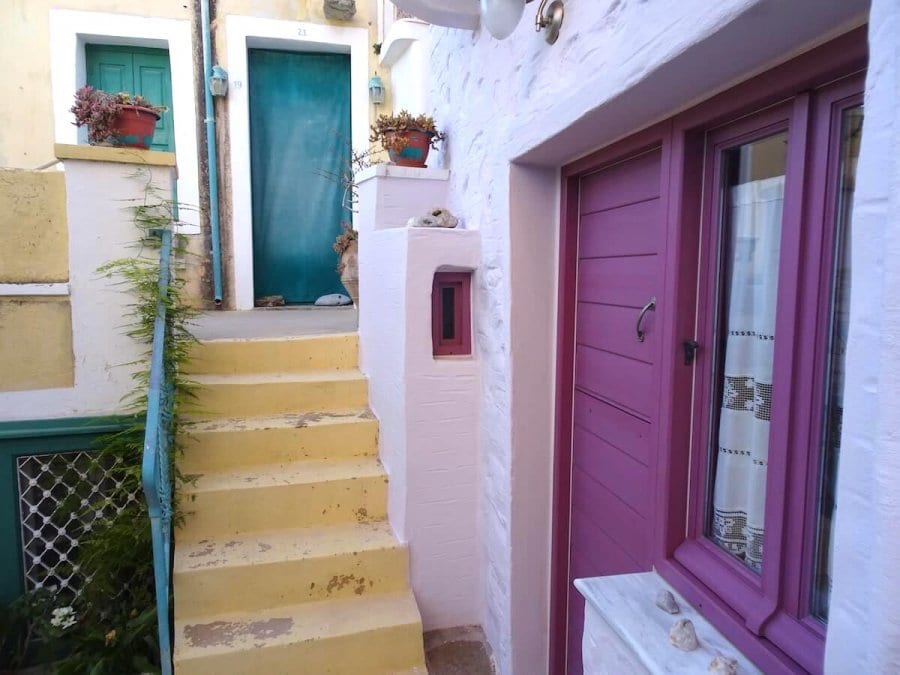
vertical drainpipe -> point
(213, 167)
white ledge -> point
(394, 171)
(32, 290)
(402, 34)
(450, 13)
(627, 603)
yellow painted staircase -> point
(286, 562)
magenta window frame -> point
(779, 637)
(460, 283)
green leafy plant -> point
(24, 625)
(98, 110)
(389, 130)
(109, 627)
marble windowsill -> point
(627, 606)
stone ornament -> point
(723, 666)
(684, 636)
(436, 217)
(340, 10)
(666, 602)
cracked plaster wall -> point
(618, 66)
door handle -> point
(651, 304)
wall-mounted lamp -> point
(549, 17)
(218, 81)
(501, 17)
(376, 90)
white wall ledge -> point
(622, 616)
(395, 171)
(450, 13)
(31, 290)
(402, 33)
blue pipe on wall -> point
(213, 167)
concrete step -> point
(287, 495)
(222, 444)
(263, 570)
(246, 395)
(274, 355)
(372, 634)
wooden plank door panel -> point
(621, 235)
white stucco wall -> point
(428, 407)
(405, 51)
(101, 229)
(515, 111)
(864, 625)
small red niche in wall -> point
(451, 313)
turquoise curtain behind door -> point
(299, 128)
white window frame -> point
(71, 30)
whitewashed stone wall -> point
(864, 626)
(515, 111)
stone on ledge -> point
(436, 217)
(684, 636)
(722, 665)
(666, 602)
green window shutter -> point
(137, 71)
(110, 69)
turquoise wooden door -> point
(299, 128)
(137, 71)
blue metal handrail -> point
(155, 474)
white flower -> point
(63, 617)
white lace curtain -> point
(754, 213)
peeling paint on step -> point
(220, 633)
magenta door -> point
(621, 236)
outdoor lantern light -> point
(376, 90)
(218, 81)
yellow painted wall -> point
(36, 339)
(34, 246)
(26, 114)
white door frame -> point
(71, 30)
(243, 33)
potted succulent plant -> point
(116, 119)
(407, 139)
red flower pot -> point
(134, 127)
(415, 147)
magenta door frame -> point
(682, 140)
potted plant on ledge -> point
(116, 119)
(407, 139)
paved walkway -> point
(276, 322)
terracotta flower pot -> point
(350, 271)
(416, 145)
(134, 127)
